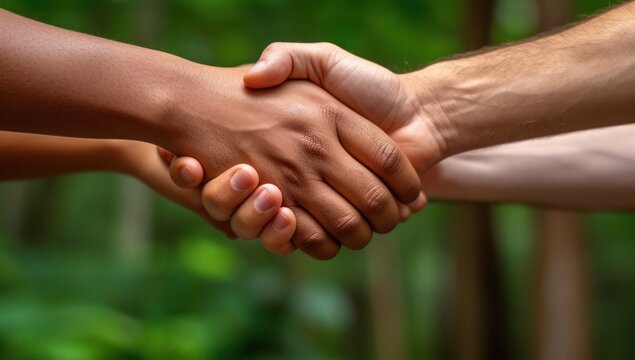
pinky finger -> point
(405, 211)
(276, 235)
(418, 204)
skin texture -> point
(310, 157)
(579, 78)
(339, 174)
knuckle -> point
(311, 241)
(292, 175)
(346, 225)
(313, 146)
(375, 200)
(388, 157)
(332, 113)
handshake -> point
(312, 147)
(342, 150)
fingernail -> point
(259, 65)
(280, 222)
(264, 201)
(187, 175)
(241, 181)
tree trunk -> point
(386, 299)
(477, 308)
(561, 288)
(561, 284)
(13, 201)
(134, 226)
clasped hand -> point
(339, 173)
(327, 184)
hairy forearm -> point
(30, 156)
(593, 169)
(59, 82)
(580, 78)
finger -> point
(311, 238)
(372, 147)
(165, 156)
(343, 222)
(256, 211)
(186, 172)
(276, 235)
(363, 190)
(404, 212)
(418, 204)
(223, 194)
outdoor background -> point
(95, 266)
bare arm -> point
(582, 77)
(31, 156)
(59, 82)
(592, 169)
(579, 78)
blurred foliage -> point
(66, 294)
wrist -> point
(191, 107)
(424, 97)
(133, 158)
(165, 94)
(120, 155)
(440, 98)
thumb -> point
(282, 61)
(272, 69)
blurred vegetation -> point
(66, 292)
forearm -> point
(29, 156)
(580, 78)
(59, 82)
(592, 169)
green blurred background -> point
(96, 267)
